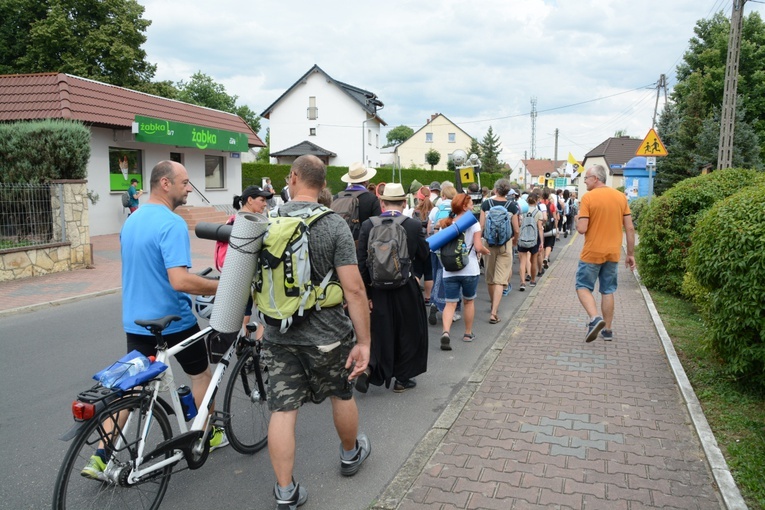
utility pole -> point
(555, 156)
(533, 128)
(661, 84)
(727, 122)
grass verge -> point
(735, 410)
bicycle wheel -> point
(245, 403)
(111, 490)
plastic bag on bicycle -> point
(150, 373)
(218, 343)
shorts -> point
(193, 359)
(461, 287)
(499, 264)
(606, 273)
(550, 242)
(301, 373)
(533, 250)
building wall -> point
(613, 181)
(340, 125)
(412, 151)
(108, 215)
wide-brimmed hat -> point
(435, 186)
(357, 172)
(255, 191)
(394, 192)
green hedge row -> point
(45, 150)
(252, 173)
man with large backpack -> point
(389, 245)
(319, 356)
(356, 204)
(500, 227)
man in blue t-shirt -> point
(134, 193)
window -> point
(452, 137)
(369, 137)
(177, 157)
(312, 131)
(377, 140)
(428, 137)
(214, 172)
(313, 112)
(124, 165)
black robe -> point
(399, 322)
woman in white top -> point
(463, 284)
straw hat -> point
(394, 192)
(357, 172)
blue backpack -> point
(497, 230)
(443, 213)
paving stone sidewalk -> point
(558, 423)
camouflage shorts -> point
(298, 374)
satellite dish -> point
(459, 156)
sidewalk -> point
(105, 277)
(553, 422)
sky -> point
(592, 65)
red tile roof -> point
(537, 167)
(63, 96)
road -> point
(48, 356)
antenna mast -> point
(533, 128)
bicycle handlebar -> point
(213, 231)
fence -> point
(26, 214)
(44, 228)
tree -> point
(490, 150)
(96, 39)
(264, 154)
(475, 148)
(399, 134)
(686, 125)
(202, 90)
(432, 157)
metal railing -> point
(31, 215)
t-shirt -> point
(472, 268)
(605, 209)
(132, 192)
(331, 245)
(153, 240)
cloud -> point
(478, 63)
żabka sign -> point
(168, 132)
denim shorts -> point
(460, 287)
(605, 273)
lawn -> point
(734, 409)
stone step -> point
(196, 214)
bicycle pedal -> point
(220, 418)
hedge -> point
(41, 151)
(727, 262)
(667, 223)
(252, 173)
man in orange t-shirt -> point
(602, 215)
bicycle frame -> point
(200, 422)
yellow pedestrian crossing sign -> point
(651, 145)
(467, 175)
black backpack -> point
(550, 223)
(126, 199)
(388, 252)
(347, 206)
(455, 254)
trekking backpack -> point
(529, 235)
(550, 223)
(126, 199)
(388, 260)
(497, 230)
(454, 255)
(442, 212)
(285, 291)
(572, 207)
(347, 206)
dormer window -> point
(313, 111)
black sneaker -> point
(362, 381)
(593, 328)
(363, 449)
(432, 317)
(402, 386)
(446, 342)
(607, 334)
(528, 277)
(297, 497)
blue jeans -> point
(460, 287)
(605, 274)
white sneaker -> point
(456, 317)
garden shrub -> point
(727, 259)
(667, 223)
(637, 206)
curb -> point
(58, 302)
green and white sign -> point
(169, 132)
(560, 182)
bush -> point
(727, 259)
(666, 225)
(637, 206)
(253, 172)
(42, 151)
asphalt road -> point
(48, 356)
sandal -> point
(468, 337)
(494, 319)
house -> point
(328, 118)
(536, 172)
(613, 154)
(440, 134)
(131, 132)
